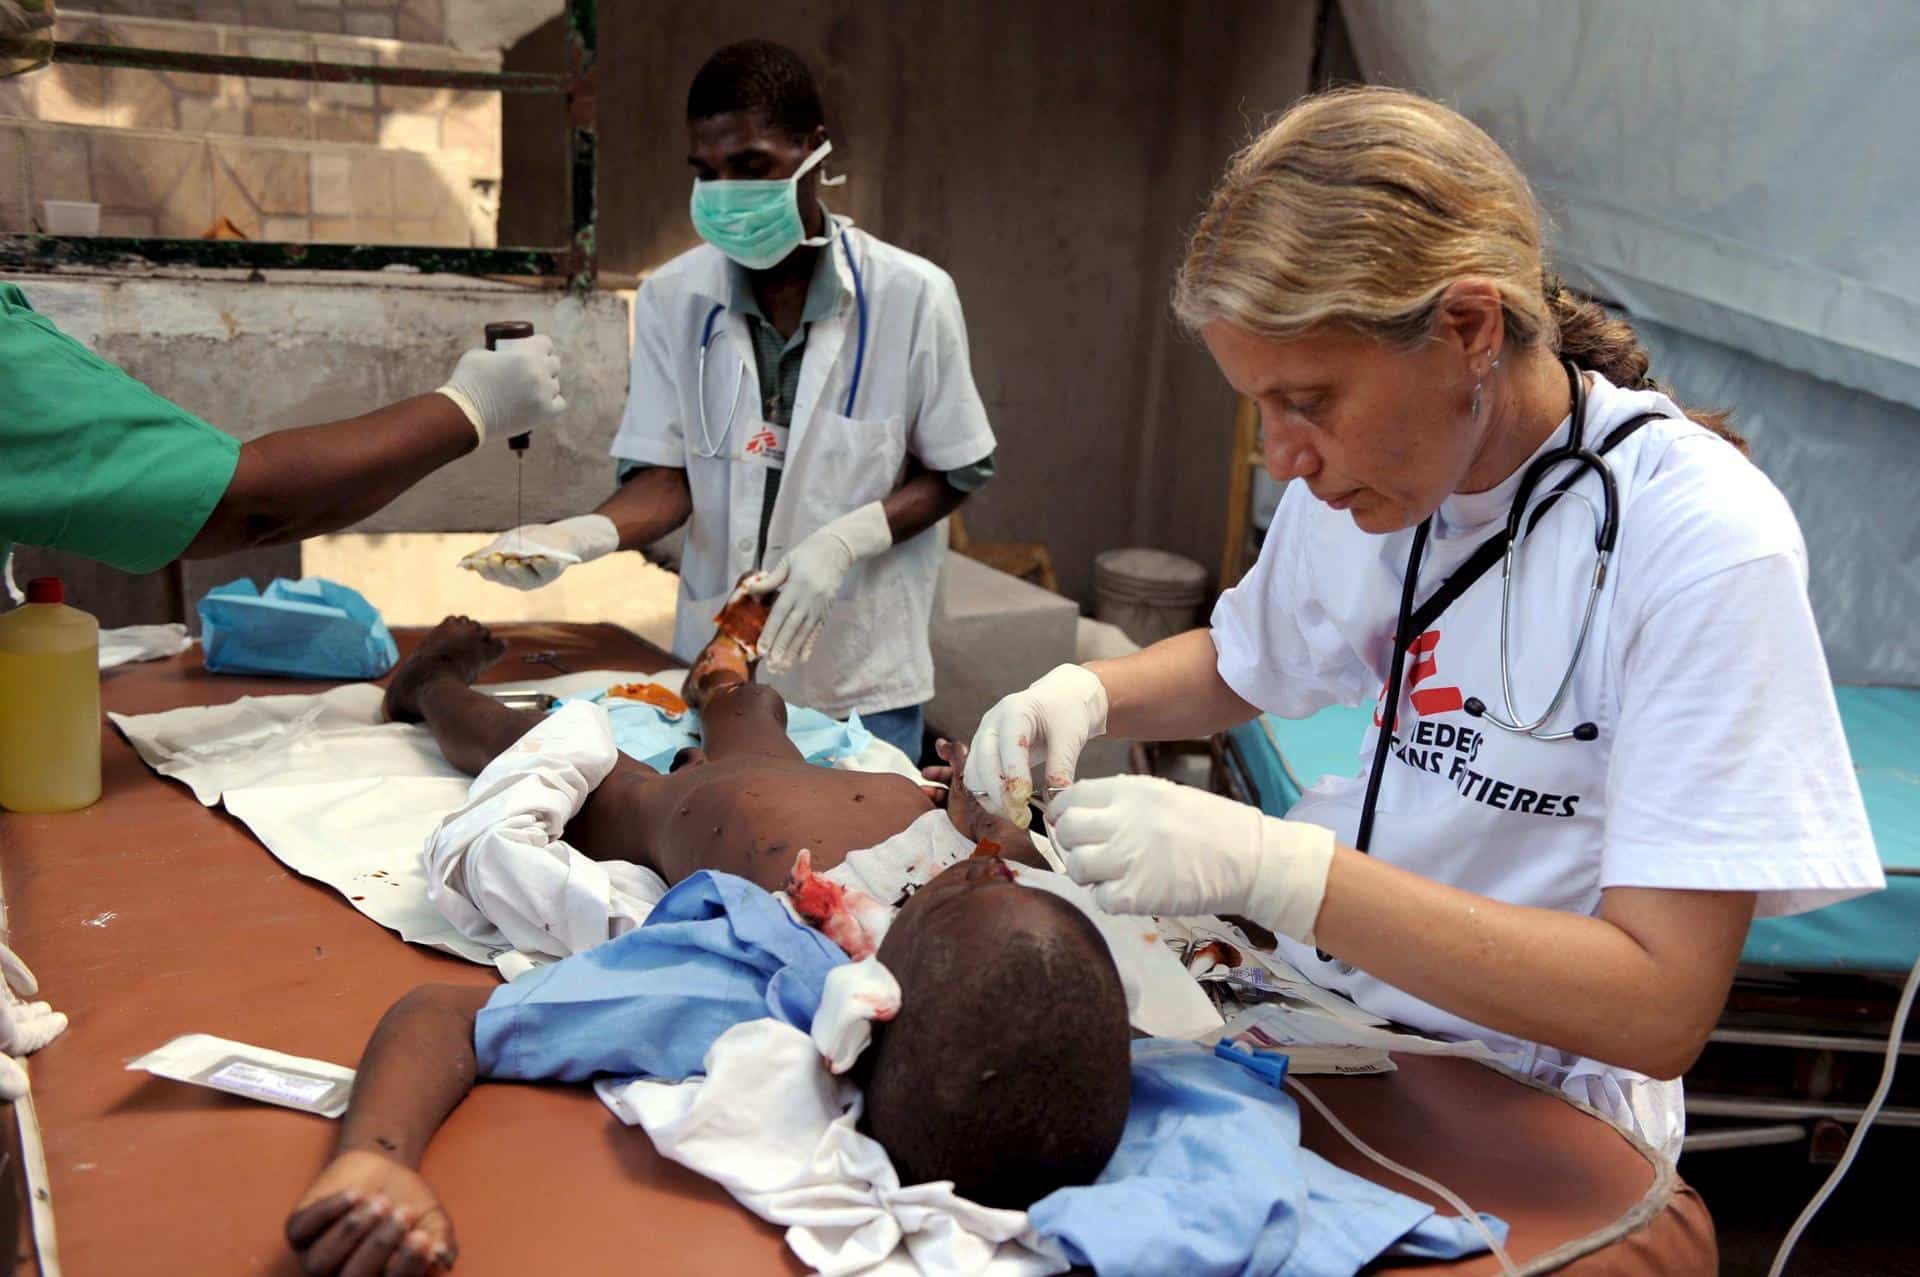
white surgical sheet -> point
(340, 796)
(778, 1131)
(498, 868)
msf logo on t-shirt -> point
(1423, 654)
(1452, 750)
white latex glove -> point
(530, 557)
(508, 390)
(25, 1027)
(1146, 845)
(809, 579)
(1063, 710)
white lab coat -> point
(916, 398)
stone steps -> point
(170, 153)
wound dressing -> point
(855, 996)
(254, 1072)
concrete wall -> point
(295, 348)
(1048, 155)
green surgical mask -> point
(756, 223)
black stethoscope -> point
(1502, 546)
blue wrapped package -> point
(825, 741)
(314, 628)
(654, 737)
(645, 733)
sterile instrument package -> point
(255, 1072)
(313, 628)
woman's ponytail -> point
(1593, 338)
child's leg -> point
(433, 685)
(472, 729)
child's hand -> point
(368, 1214)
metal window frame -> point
(576, 262)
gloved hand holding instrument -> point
(1061, 712)
(527, 557)
(515, 388)
(1146, 845)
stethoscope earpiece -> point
(1475, 706)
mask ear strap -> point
(825, 149)
(818, 157)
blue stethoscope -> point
(712, 449)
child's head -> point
(1007, 1068)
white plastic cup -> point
(70, 217)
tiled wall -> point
(170, 153)
(423, 21)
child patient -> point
(1005, 1071)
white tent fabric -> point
(1737, 176)
(1739, 170)
(1849, 464)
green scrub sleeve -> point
(91, 460)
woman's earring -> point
(1477, 387)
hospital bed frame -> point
(1795, 1057)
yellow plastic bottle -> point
(49, 703)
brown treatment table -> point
(148, 916)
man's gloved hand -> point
(25, 1027)
(1063, 710)
(508, 390)
(809, 579)
(530, 557)
(1146, 845)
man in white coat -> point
(801, 399)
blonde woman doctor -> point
(1574, 890)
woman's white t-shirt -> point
(1720, 762)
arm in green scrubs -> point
(91, 460)
(94, 462)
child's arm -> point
(370, 1206)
